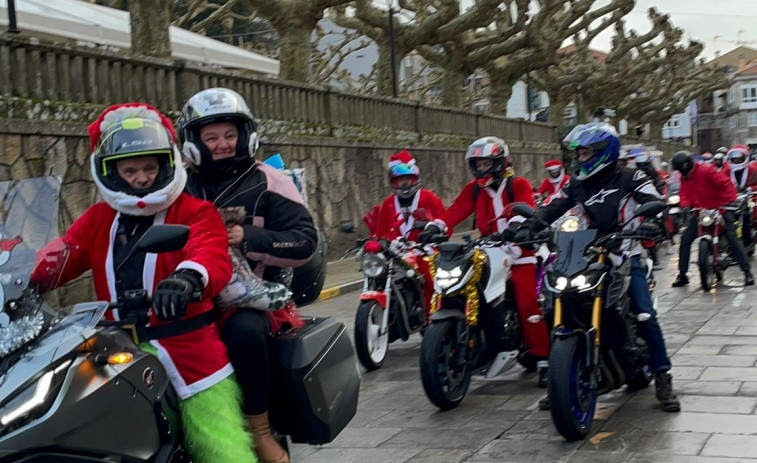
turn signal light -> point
(120, 358)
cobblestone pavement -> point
(711, 337)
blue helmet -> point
(600, 137)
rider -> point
(555, 180)
(220, 140)
(706, 158)
(406, 212)
(493, 188)
(743, 174)
(609, 194)
(703, 187)
(720, 164)
(139, 174)
(643, 162)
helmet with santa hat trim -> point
(554, 168)
(402, 166)
(738, 156)
(128, 131)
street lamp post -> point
(392, 57)
(12, 27)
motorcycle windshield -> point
(571, 247)
(28, 222)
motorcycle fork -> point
(388, 291)
(596, 309)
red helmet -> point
(402, 165)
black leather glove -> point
(649, 229)
(523, 234)
(508, 235)
(174, 293)
(429, 232)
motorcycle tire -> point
(573, 400)
(370, 345)
(444, 375)
(707, 273)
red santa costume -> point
(195, 360)
(401, 213)
(553, 184)
(488, 197)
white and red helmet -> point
(738, 156)
(492, 148)
(555, 169)
(403, 165)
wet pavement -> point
(711, 337)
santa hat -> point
(403, 157)
(119, 112)
(121, 201)
(743, 148)
(553, 163)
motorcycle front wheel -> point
(573, 399)
(445, 367)
(371, 345)
(707, 272)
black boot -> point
(748, 278)
(543, 373)
(664, 388)
(544, 403)
(681, 280)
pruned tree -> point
(430, 21)
(330, 50)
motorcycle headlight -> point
(569, 224)
(34, 395)
(586, 281)
(374, 265)
(674, 200)
(561, 283)
(706, 219)
(448, 278)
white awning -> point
(100, 25)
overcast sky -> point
(701, 20)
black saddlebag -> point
(315, 382)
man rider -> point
(493, 188)
(220, 139)
(555, 180)
(609, 195)
(720, 164)
(140, 176)
(703, 187)
(743, 174)
(408, 210)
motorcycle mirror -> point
(347, 227)
(158, 238)
(523, 209)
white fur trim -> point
(191, 153)
(188, 264)
(438, 223)
(126, 112)
(397, 162)
(154, 202)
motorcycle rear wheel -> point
(370, 344)
(707, 272)
(445, 369)
(573, 400)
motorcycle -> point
(675, 218)
(714, 253)
(595, 344)
(470, 284)
(391, 305)
(77, 388)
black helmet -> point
(211, 106)
(683, 162)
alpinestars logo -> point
(638, 175)
(599, 198)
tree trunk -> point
(500, 91)
(150, 22)
(452, 83)
(294, 40)
(557, 110)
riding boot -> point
(543, 366)
(665, 393)
(266, 447)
